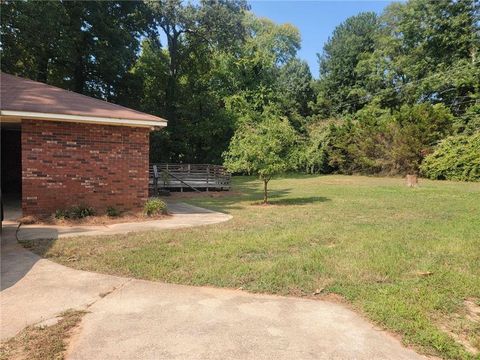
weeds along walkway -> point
(182, 216)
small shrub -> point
(455, 158)
(154, 206)
(61, 214)
(80, 212)
(75, 212)
(113, 212)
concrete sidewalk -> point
(35, 289)
(136, 319)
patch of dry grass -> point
(92, 220)
(42, 342)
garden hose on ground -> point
(16, 231)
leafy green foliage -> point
(425, 50)
(75, 212)
(400, 83)
(391, 85)
(295, 90)
(376, 141)
(469, 123)
(341, 86)
(113, 211)
(311, 157)
(155, 206)
(60, 214)
(455, 158)
(199, 128)
(415, 131)
(262, 148)
(85, 46)
(80, 212)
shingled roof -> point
(24, 98)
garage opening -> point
(11, 158)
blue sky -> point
(316, 20)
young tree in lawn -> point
(262, 147)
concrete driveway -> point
(136, 319)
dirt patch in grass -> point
(42, 342)
(462, 337)
(473, 309)
(464, 326)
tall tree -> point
(194, 32)
(34, 40)
(107, 40)
(341, 89)
(188, 26)
(426, 51)
(85, 46)
(253, 73)
(294, 84)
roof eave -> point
(83, 119)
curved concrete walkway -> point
(136, 319)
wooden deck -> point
(196, 177)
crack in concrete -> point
(103, 295)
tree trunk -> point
(42, 69)
(265, 191)
(171, 89)
(75, 11)
(412, 180)
(78, 73)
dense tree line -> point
(393, 86)
(392, 90)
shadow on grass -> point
(247, 191)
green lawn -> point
(409, 259)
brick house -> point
(61, 149)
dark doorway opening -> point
(11, 158)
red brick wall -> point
(66, 164)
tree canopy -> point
(263, 147)
(391, 86)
